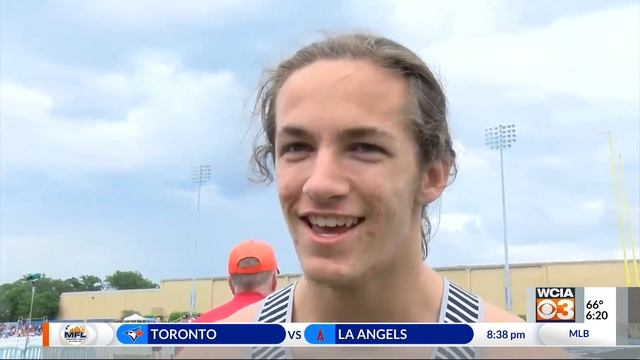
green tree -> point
(75, 284)
(85, 283)
(177, 315)
(92, 282)
(123, 280)
(15, 298)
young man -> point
(252, 276)
(357, 134)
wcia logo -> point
(132, 334)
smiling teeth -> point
(330, 221)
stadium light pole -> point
(499, 138)
(199, 176)
(32, 278)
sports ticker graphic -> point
(562, 316)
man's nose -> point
(327, 180)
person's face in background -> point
(348, 171)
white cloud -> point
(457, 222)
(568, 213)
(417, 21)
(594, 56)
(178, 116)
(30, 103)
(594, 207)
(555, 161)
(469, 160)
(141, 14)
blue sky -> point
(106, 107)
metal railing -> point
(31, 352)
(38, 352)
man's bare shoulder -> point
(493, 313)
(246, 314)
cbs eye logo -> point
(555, 310)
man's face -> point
(347, 170)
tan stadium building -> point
(486, 281)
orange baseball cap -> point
(260, 251)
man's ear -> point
(274, 282)
(433, 181)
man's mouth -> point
(332, 225)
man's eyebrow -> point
(353, 133)
(294, 131)
(363, 132)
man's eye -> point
(367, 148)
(295, 148)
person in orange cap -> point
(252, 276)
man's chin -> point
(332, 276)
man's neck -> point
(249, 294)
(412, 295)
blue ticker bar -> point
(200, 333)
(274, 334)
(425, 334)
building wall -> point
(485, 281)
(107, 304)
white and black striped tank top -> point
(458, 306)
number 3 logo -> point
(565, 309)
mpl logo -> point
(555, 305)
(75, 334)
(132, 334)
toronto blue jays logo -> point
(134, 334)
